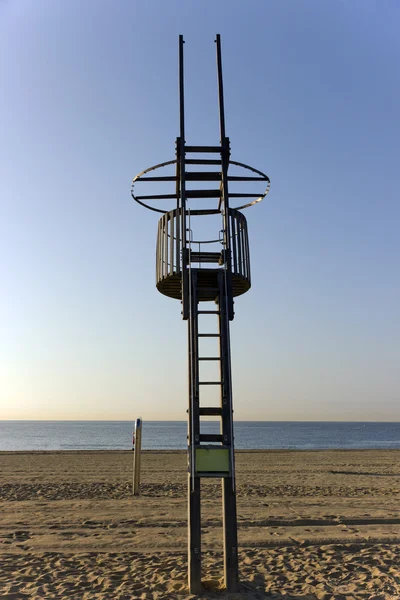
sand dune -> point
(312, 525)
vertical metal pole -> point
(137, 456)
(231, 569)
(182, 173)
(225, 155)
(194, 512)
(220, 88)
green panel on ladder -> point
(212, 460)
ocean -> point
(171, 435)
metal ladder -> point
(210, 454)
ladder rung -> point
(210, 335)
(245, 195)
(157, 197)
(210, 411)
(209, 358)
(204, 194)
(208, 312)
(162, 178)
(210, 382)
(211, 437)
(205, 257)
(203, 176)
(202, 161)
(234, 178)
(203, 148)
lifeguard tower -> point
(203, 260)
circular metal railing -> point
(235, 196)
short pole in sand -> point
(136, 456)
(205, 272)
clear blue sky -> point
(89, 98)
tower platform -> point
(207, 282)
(169, 264)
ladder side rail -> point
(191, 376)
(225, 353)
(231, 569)
(226, 394)
(193, 328)
(194, 497)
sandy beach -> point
(312, 525)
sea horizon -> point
(25, 434)
(185, 421)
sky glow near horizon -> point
(90, 98)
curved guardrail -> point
(169, 253)
(216, 176)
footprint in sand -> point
(21, 536)
(67, 534)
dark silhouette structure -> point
(206, 274)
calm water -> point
(117, 435)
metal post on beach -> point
(137, 456)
